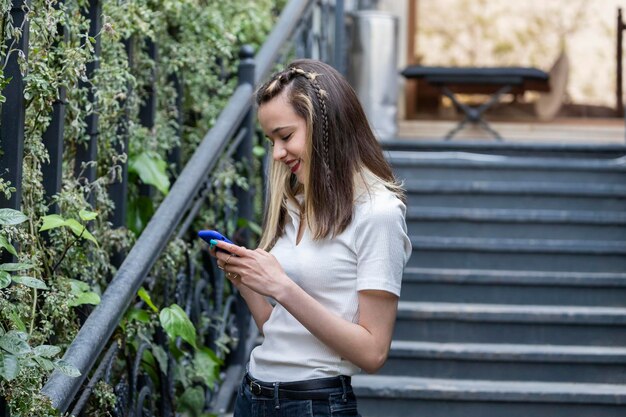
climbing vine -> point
(62, 258)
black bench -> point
(493, 81)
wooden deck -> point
(601, 131)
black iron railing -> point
(301, 31)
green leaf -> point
(67, 368)
(10, 217)
(206, 365)
(192, 401)
(80, 230)
(15, 319)
(5, 279)
(152, 170)
(258, 151)
(15, 266)
(140, 211)
(14, 345)
(85, 298)
(47, 351)
(161, 358)
(30, 282)
(4, 243)
(78, 286)
(52, 221)
(44, 363)
(176, 323)
(9, 366)
(86, 215)
(143, 294)
(138, 314)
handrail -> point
(93, 336)
(101, 323)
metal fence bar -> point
(173, 156)
(53, 136)
(89, 151)
(99, 326)
(340, 35)
(13, 110)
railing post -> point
(88, 152)
(339, 48)
(244, 198)
(52, 172)
(13, 110)
(147, 110)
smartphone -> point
(208, 235)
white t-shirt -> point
(369, 255)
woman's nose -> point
(278, 152)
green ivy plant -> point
(62, 244)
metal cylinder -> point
(373, 69)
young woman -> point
(333, 249)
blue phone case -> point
(208, 235)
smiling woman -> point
(333, 249)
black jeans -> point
(337, 402)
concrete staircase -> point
(514, 300)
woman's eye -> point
(286, 138)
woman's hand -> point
(256, 269)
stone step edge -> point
(512, 313)
(505, 245)
(460, 159)
(404, 349)
(486, 215)
(509, 277)
(396, 387)
(554, 189)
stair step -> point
(502, 323)
(465, 165)
(507, 362)
(516, 223)
(514, 287)
(508, 194)
(390, 396)
(555, 150)
(523, 254)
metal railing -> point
(233, 133)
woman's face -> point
(287, 132)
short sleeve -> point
(382, 244)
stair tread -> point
(382, 386)
(462, 159)
(505, 351)
(590, 247)
(516, 215)
(515, 187)
(514, 277)
(513, 313)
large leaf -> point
(52, 221)
(161, 358)
(152, 170)
(9, 366)
(47, 351)
(4, 243)
(80, 230)
(206, 365)
(67, 368)
(10, 217)
(191, 401)
(5, 279)
(140, 211)
(176, 323)
(85, 298)
(143, 294)
(14, 345)
(15, 266)
(30, 282)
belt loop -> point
(276, 401)
(344, 397)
